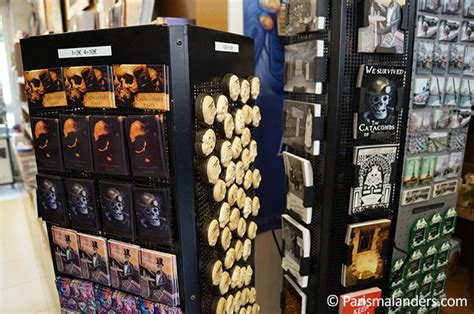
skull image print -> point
(48, 195)
(39, 83)
(115, 206)
(152, 212)
(75, 84)
(380, 96)
(79, 199)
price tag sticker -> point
(226, 47)
(84, 52)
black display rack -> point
(333, 169)
(195, 65)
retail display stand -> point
(196, 62)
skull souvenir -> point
(244, 90)
(218, 306)
(253, 291)
(255, 206)
(241, 227)
(239, 172)
(231, 86)
(215, 272)
(205, 142)
(211, 169)
(225, 239)
(237, 302)
(229, 258)
(219, 191)
(34, 86)
(236, 147)
(232, 194)
(253, 150)
(229, 174)
(256, 116)
(224, 284)
(224, 151)
(229, 304)
(245, 137)
(241, 198)
(75, 84)
(379, 97)
(235, 277)
(255, 309)
(222, 106)
(247, 207)
(49, 194)
(239, 121)
(205, 109)
(247, 179)
(211, 232)
(247, 110)
(223, 214)
(234, 219)
(245, 291)
(256, 178)
(151, 209)
(252, 230)
(254, 86)
(80, 198)
(226, 128)
(238, 247)
(115, 204)
(246, 160)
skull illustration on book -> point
(80, 199)
(151, 210)
(75, 84)
(379, 98)
(126, 83)
(34, 86)
(70, 133)
(48, 195)
(373, 181)
(115, 204)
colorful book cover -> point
(82, 203)
(66, 251)
(51, 199)
(293, 298)
(94, 258)
(76, 142)
(47, 143)
(44, 88)
(357, 302)
(124, 266)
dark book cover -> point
(293, 298)
(380, 94)
(44, 88)
(89, 86)
(82, 203)
(124, 266)
(117, 209)
(51, 199)
(66, 251)
(94, 259)
(47, 143)
(142, 86)
(76, 142)
(153, 215)
(109, 146)
(146, 145)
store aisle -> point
(26, 272)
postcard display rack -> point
(163, 157)
(344, 207)
(440, 110)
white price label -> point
(226, 47)
(83, 52)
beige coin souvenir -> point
(229, 304)
(252, 230)
(239, 248)
(211, 232)
(246, 158)
(256, 116)
(234, 219)
(246, 137)
(223, 214)
(231, 86)
(241, 198)
(229, 174)
(247, 249)
(218, 306)
(254, 86)
(248, 179)
(224, 284)
(232, 194)
(239, 121)
(245, 293)
(256, 178)
(219, 191)
(236, 147)
(248, 112)
(225, 239)
(214, 272)
(205, 109)
(255, 206)
(210, 169)
(241, 227)
(252, 295)
(224, 151)
(247, 207)
(229, 258)
(222, 106)
(205, 142)
(234, 276)
(237, 302)
(239, 172)
(253, 150)
(248, 278)
(244, 90)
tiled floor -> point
(26, 273)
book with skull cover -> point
(94, 258)
(89, 86)
(44, 88)
(147, 145)
(374, 178)
(300, 16)
(380, 94)
(124, 266)
(82, 203)
(293, 298)
(66, 251)
(299, 176)
(299, 126)
(141, 86)
(47, 143)
(296, 246)
(76, 142)
(51, 199)
(365, 241)
(159, 277)
(153, 215)
(118, 216)
(109, 146)
(380, 30)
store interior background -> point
(26, 271)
